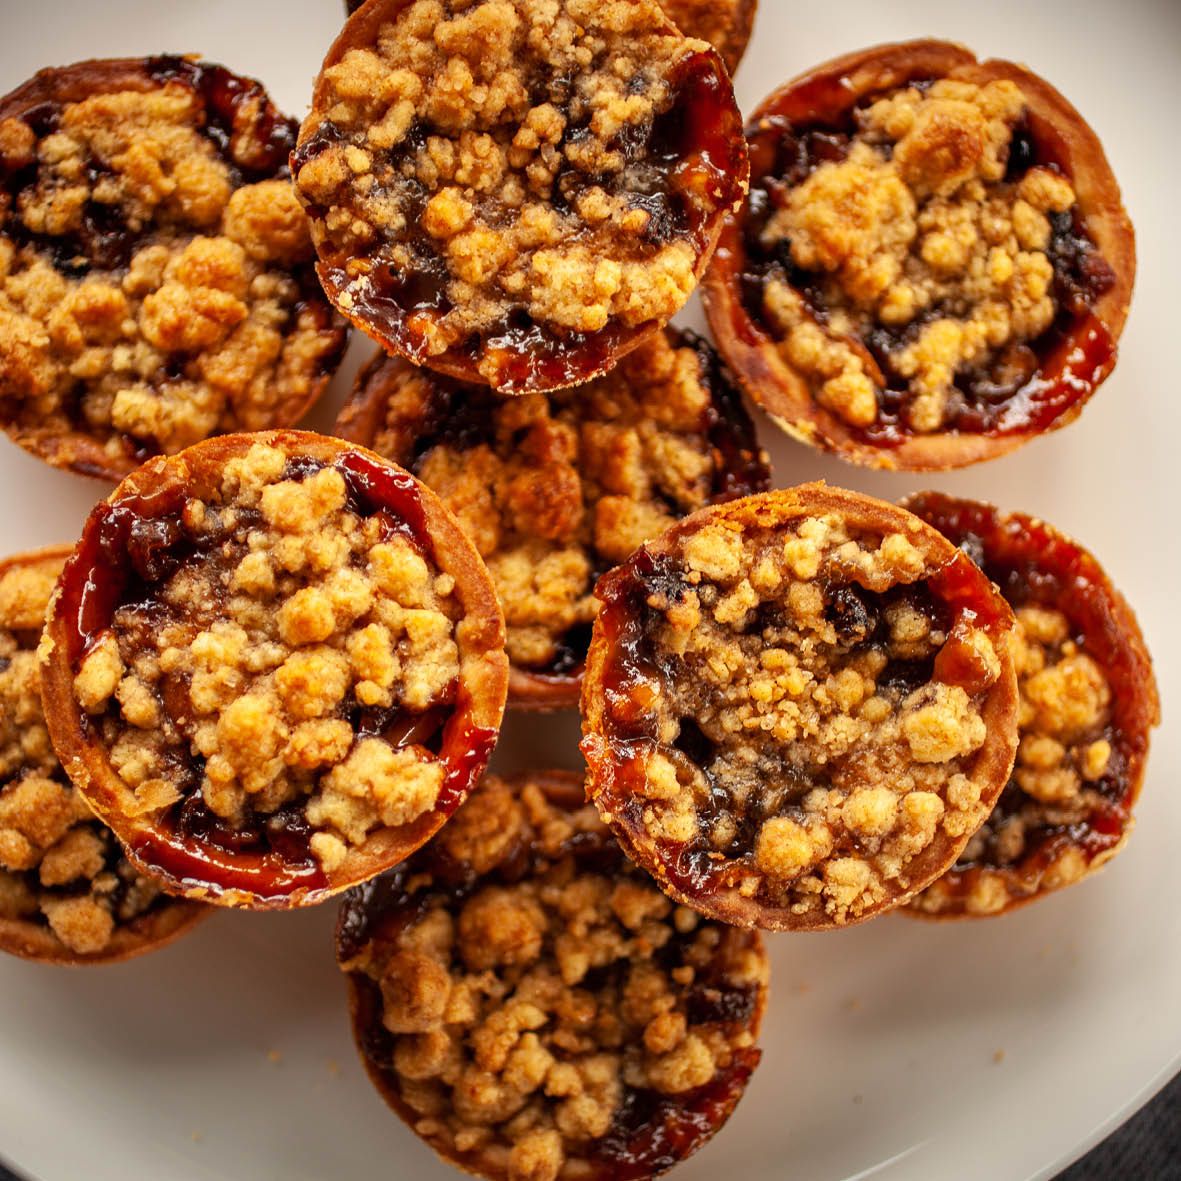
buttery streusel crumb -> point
(556, 488)
(791, 712)
(536, 1009)
(155, 280)
(262, 673)
(512, 175)
(60, 868)
(921, 256)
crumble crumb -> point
(155, 289)
(60, 867)
(524, 1015)
(500, 169)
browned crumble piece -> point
(155, 280)
(66, 890)
(506, 189)
(787, 717)
(555, 489)
(535, 1008)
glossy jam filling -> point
(458, 416)
(1035, 566)
(128, 550)
(688, 163)
(651, 1131)
(637, 665)
(1023, 386)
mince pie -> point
(725, 24)
(1088, 702)
(516, 192)
(156, 279)
(798, 707)
(934, 265)
(534, 1008)
(554, 489)
(275, 666)
(67, 893)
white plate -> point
(992, 1050)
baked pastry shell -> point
(78, 451)
(1096, 609)
(599, 351)
(827, 92)
(991, 765)
(479, 709)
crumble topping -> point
(723, 23)
(1064, 753)
(544, 1010)
(59, 866)
(265, 672)
(511, 167)
(796, 714)
(556, 488)
(155, 282)
(920, 256)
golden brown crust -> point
(622, 746)
(468, 733)
(559, 311)
(556, 488)
(830, 91)
(179, 324)
(34, 939)
(535, 821)
(1088, 696)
